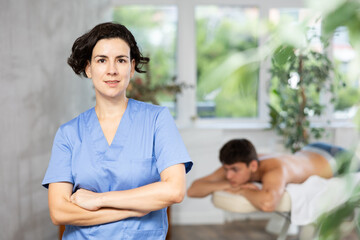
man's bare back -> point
(297, 167)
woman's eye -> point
(121, 60)
(101, 60)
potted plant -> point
(143, 89)
(298, 77)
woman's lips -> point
(112, 83)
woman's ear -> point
(88, 70)
(132, 68)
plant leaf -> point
(283, 54)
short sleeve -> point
(168, 145)
(59, 169)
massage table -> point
(301, 204)
(239, 204)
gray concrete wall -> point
(38, 92)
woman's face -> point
(110, 68)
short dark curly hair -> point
(238, 150)
(83, 46)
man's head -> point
(240, 160)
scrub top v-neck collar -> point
(99, 142)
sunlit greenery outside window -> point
(311, 43)
(155, 29)
(346, 92)
(227, 84)
(347, 99)
(298, 16)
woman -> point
(116, 167)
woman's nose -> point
(112, 69)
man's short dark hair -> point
(238, 150)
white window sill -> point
(256, 124)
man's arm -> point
(171, 189)
(267, 198)
(64, 212)
(208, 184)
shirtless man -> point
(242, 165)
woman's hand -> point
(91, 201)
(86, 199)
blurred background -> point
(202, 68)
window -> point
(313, 64)
(227, 83)
(347, 90)
(203, 44)
(154, 28)
(295, 16)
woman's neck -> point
(111, 109)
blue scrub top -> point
(146, 142)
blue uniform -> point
(146, 142)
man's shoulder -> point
(273, 164)
(273, 160)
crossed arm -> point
(84, 208)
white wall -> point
(204, 144)
(38, 92)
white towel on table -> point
(317, 195)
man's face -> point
(237, 173)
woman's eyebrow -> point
(122, 56)
(104, 56)
(100, 56)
